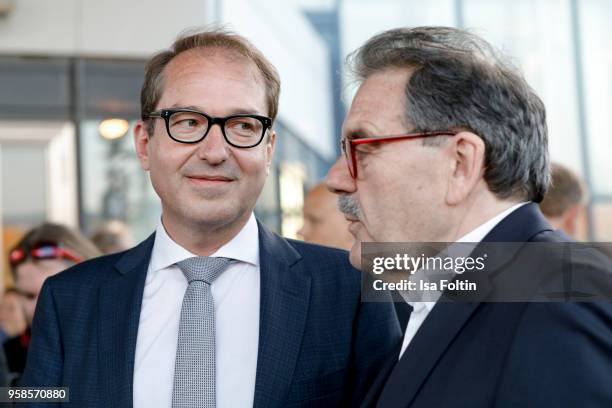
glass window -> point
(602, 214)
(537, 35)
(361, 19)
(114, 186)
(596, 47)
(23, 164)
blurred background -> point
(71, 72)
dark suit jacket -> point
(16, 351)
(318, 344)
(4, 372)
(506, 354)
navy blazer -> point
(506, 354)
(319, 345)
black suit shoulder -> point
(562, 342)
(89, 273)
(330, 264)
(309, 249)
(581, 269)
(559, 343)
(319, 253)
(92, 273)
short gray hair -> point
(460, 82)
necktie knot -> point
(203, 268)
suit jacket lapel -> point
(285, 294)
(436, 333)
(447, 318)
(120, 300)
(382, 376)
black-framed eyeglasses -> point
(191, 126)
(350, 154)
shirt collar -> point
(481, 231)
(418, 307)
(243, 247)
(475, 235)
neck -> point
(203, 239)
(477, 212)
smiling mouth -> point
(210, 180)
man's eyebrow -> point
(237, 111)
(192, 107)
(358, 133)
(247, 112)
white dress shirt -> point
(420, 310)
(236, 297)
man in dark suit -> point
(213, 309)
(445, 142)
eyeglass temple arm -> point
(156, 114)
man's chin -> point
(215, 215)
(355, 254)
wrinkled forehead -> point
(379, 106)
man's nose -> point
(338, 179)
(214, 148)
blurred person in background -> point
(42, 252)
(324, 224)
(111, 237)
(13, 325)
(564, 204)
(12, 315)
(5, 378)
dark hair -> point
(111, 236)
(566, 190)
(460, 82)
(57, 234)
(215, 38)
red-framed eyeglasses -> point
(43, 251)
(350, 152)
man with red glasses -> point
(213, 309)
(445, 142)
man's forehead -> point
(371, 120)
(378, 107)
(386, 78)
(223, 60)
(192, 70)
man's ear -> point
(467, 155)
(270, 144)
(569, 219)
(141, 141)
